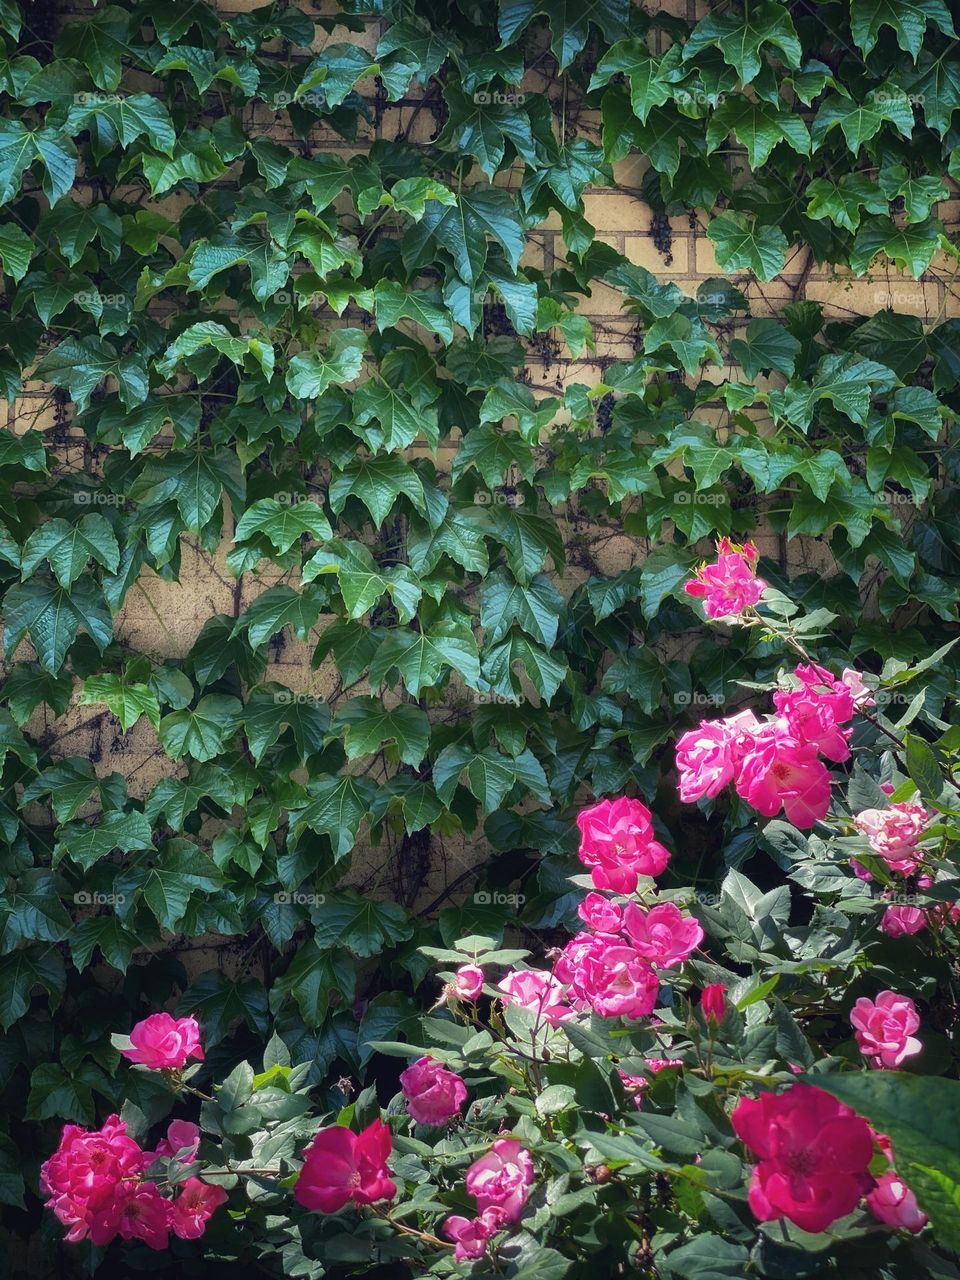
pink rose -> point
(891, 1201)
(730, 585)
(194, 1207)
(433, 1094)
(713, 1002)
(893, 833)
(182, 1140)
(89, 1177)
(778, 770)
(616, 981)
(471, 1234)
(663, 935)
(341, 1165)
(814, 717)
(814, 1156)
(600, 914)
(900, 921)
(164, 1043)
(862, 696)
(617, 844)
(884, 1028)
(501, 1178)
(538, 992)
(709, 756)
(145, 1216)
(468, 982)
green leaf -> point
(918, 1114)
(272, 707)
(842, 201)
(310, 374)
(766, 345)
(911, 248)
(570, 22)
(336, 809)
(67, 548)
(363, 926)
(16, 250)
(367, 724)
(86, 845)
(378, 483)
(126, 699)
(421, 657)
(202, 732)
(81, 364)
(758, 126)
(52, 617)
(742, 244)
(740, 37)
(861, 121)
(908, 19)
(284, 523)
(652, 79)
(489, 775)
(462, 229)
(21, 147)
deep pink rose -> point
(433, 1094)
(709, 756)
(194, 1207)
(600, 914)
(713, 1002)
(341, 1165)
(663, 935)
(162, 1042)
(146, 1216)
(884, 1028)
(183, 1140)
(471, 1235)
(616, 981)
(468, 982)
(501, 1178)
(778, 770)
(538, 992)
(891, 1201)
(897, 922)
(815, 712)
(730, 585)
(814, 1156)
(617, 844)
(89, 1177)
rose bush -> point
(675, 1090)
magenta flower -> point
(730, 585)
(884, 1028)
(341, 1165)
(779, 771)
(892, 1202)
(898, 922)
(194, 1207)
(501, 1178)
(615, 980)
(538, 992)
(145, 1216)
(471, 1235)
(709, 756)
(600, 914)
(164, 1043)
(893, 833)
(468, 982)
(814, 1156)
(713, 1002)
(662, 935)
(617, 843)
(433, 1094)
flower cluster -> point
(776, 762)
(610, 967)
(500, 1182)
(94, 1183)
(731, 585)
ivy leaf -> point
(32, 911)
(493, 453)
(337, 806)
(21, 147)
(219, 1003)
(202, 732)
(209, 333)
(742, 244)
(936, 86)
(861, 121)
(740, 36)
(528, 539)
(272, 707)
(85, 845)
(100, 41)
(67, 548)
(570, 22)
(284, 523)
(462, 229)
(908, 19)
(842, 201)
(766, 345)
(422, 656)
(310, 373)
(758, 126)
(168, 881)
(52, 617)
(847, 381)
(536, 607)
(911, 248)
(652, 79)
(313, 977)
(490, 776)
(27, 686)
(128, 700)
(277, 608)
(116, 944)
(21, 973)
(194, 479)
(365, 927)
(377, 482)
(367, 724)
(81, 364)
(362, 582)
(129, 117)
(16, 250)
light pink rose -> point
(862, 696)
(501, 1178)
(898, 922)
(779, 771)
(182, 1136)
(471, 1235)
(433, 1093)
(893, 833)
(468, 982)
(538, 992)
(730, 585)
(663, 935)
(891, 1201)
(884, 1028)
(709, 756)
(162, 1042)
